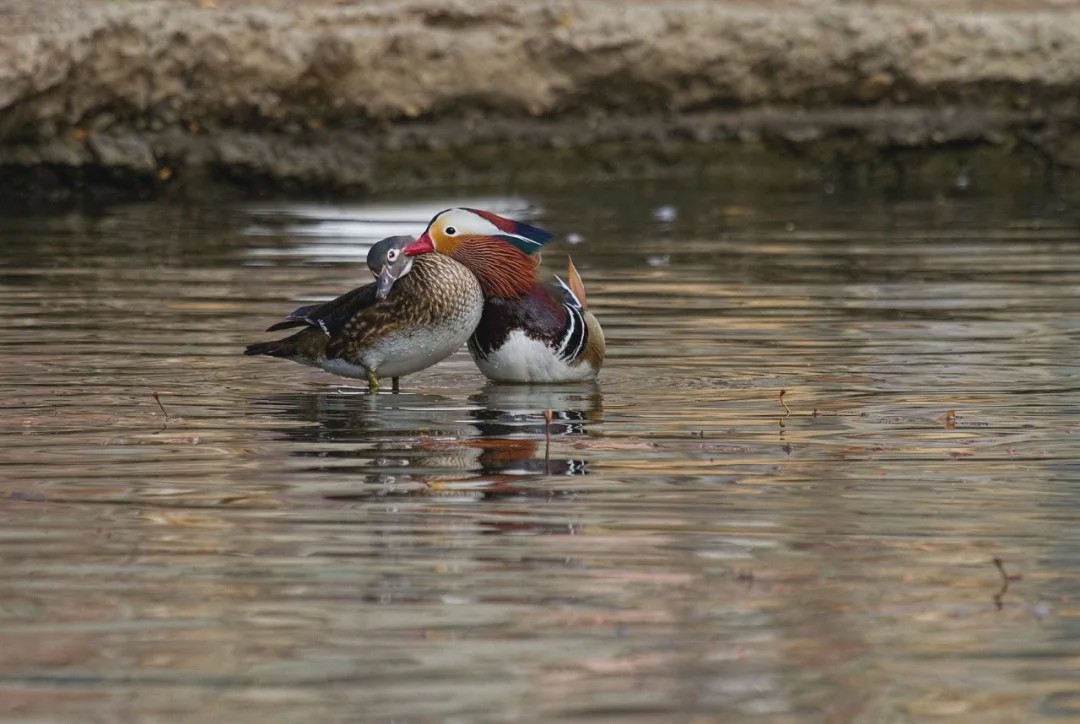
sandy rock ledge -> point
(137, 97)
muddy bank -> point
(137, 98)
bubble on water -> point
(659, 260)
(665, 214)
(962, 180)
(573, 238)
(789, 226)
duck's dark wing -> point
(297, 318)
(331, 317)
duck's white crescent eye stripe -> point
(525, 239)
(474, 224)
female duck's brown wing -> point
(331, 317)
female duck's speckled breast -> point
(435, 307)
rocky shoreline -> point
(138, 98)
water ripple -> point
(822, 417)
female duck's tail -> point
(306, 346)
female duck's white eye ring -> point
(392, 255)
(450, 231)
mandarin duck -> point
(530, 331)
(419, 311)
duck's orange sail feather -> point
(576, 285)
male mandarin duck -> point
(419, 311)
(530, 331)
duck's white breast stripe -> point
(569, 292)
(569, 334)
(576, 337)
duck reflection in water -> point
(489, 446)
(505, 412)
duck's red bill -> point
(422, 245)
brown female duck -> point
(419, 311)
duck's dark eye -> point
(450, 231)
(392, 255)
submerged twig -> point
(1006, 579)
(165, 420)
(157, 398)
(787, 410)
(547, 436)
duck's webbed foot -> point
(373, 381)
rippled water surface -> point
(287, 547)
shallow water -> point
(286, 546)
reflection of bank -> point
(490, 444)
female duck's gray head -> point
(388, 262)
